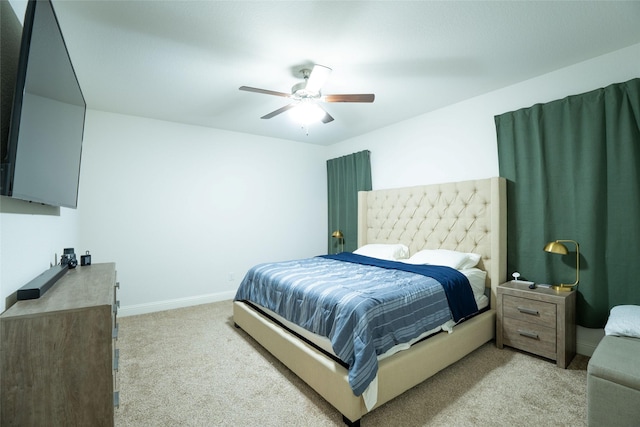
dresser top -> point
(81, 287)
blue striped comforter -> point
(363, 305)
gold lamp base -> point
(563, 288)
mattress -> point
(324, 343)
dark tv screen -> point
(47, 120)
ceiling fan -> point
(308, 94)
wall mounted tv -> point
(44, 145)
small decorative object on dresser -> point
(539, 321)
(85, 259)
(58, 356)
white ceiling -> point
(183, 61)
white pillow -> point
(477, 279)
(471, 261)
(453, 259)
(624, 321)
(390, 252)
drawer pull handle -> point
(528, 334)
(526, 310)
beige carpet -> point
(192, 367)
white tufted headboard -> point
(466, 216)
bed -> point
(466, 216)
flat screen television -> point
(44, 145)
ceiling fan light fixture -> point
(306, 95)
(306, 113)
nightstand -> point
(539, 321)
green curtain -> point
(346, 176)
(573, 172)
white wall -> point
(459, 142)
(32, 238)
(184, 211)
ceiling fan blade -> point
(361, 97)
(327, 118)
(318, 77)
(264, 91)
(278, 111)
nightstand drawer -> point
(530, 311)
(530, 337)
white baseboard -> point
(132, 310)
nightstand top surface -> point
(512, 285)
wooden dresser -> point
(58, 356)
(539, 321)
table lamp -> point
(338, 235)
(556, 247)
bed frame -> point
(468, 216)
